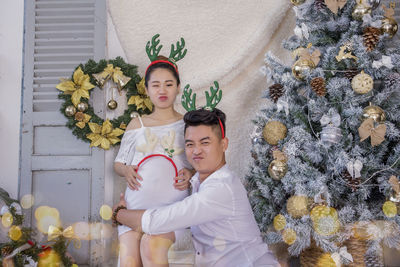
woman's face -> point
(162, 88)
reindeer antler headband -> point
(212, 99)
(152, 50)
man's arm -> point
(214, 202)
(131, 218)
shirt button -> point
(198, 253)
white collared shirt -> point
(222, 223)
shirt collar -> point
(215, 175)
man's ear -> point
(225, 143)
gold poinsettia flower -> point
(82, 119)
(142, 100)
(78, 88)
(103, 135)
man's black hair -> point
(206, 117)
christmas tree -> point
(326, 152)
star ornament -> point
(78, 87)
(103, 135)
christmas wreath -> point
(83, 121)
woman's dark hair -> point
(206, 117)
(162, 65)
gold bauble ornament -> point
(319, 211)
(375, 113)
(389, 26)
(362, 83)
(279, 222)
(326, 224)
(70, 111)
(325, 260)
(297, 206)
(360, 10)
(389, 209)
(274, 131)
(82, 106)
(277, 169)
(7, 219)
(134, 115)
(297, 2)
(15, 233)
(112, 104)
(301, 67)
(49, 258)
(289, 236)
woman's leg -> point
(154, 249)
(129, 249)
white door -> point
(56, 168)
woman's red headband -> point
(162, 61)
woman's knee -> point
(154, 248)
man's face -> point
(204, 149)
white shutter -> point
(57, 168)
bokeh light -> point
(106, 212)
(46, 216)
(82, 230)
(49, 258)
(27, 201)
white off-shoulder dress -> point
(156, 189)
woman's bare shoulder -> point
(134, 124)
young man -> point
(218, 212)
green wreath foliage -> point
(92, 67)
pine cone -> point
(276, 91)
(351, 182)
(350, 73)
(6, 250)
(318, 85)
(320, 4)
(392, 79)
(371, 37)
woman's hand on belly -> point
(132, 177)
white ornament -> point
(362, 83)
(282, 105)
(341, 254)
(302, 31)
(4, 209)
(332, 117)
(386, 61)
(354, 168)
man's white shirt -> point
(222, 223)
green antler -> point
(178, 53)
(214, 98)
(152, 50)
(188, 101)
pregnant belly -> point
(157, 188)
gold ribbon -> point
(68, 233)
(279, 155)
(377, 133)
(142, 100)
(112, 73)
(78, 87)
(103, 135)
(304, 53)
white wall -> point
(11, 41)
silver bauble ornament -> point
(374, 3)
(331, 134)
(389, 26)
(82, 106)
(70, 111)
(301, 67)
(360, 10)
(134, 114)
(256, 140)
(277, 169)
(112, 104)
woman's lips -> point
(163, 98)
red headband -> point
(222, 128)
(162, 61)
